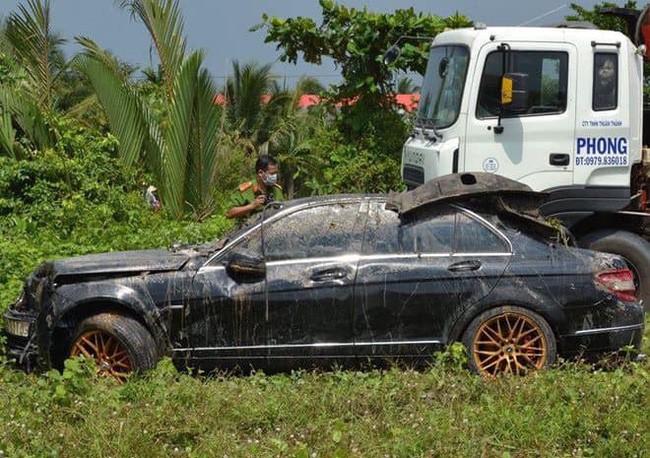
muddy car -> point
(342, 279)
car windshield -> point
(442, 88)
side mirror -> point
(246, 268)
(392, 54)
(514, 91)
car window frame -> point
(223, 254)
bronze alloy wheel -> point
(110, 355)
(509, 343)
(119, 344)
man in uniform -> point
(251, 196)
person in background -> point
(152, 198)
(605, 83)
(251, 196)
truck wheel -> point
(509, 340)
(119, 345)
(634, 249)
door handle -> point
(465, 266)
(559, 159)
(334, 273)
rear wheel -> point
(509, 340)
(634, 249)
(119, 345)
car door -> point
(291, 301)
(416, 274)
(224, 320)
(311, 259)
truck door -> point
(536, 143)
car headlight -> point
(17, 327)
(20, 304)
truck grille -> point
(413, 176)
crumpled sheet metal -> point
(460, 186)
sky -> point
(221, 27)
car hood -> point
(118, 263)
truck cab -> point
(559, 109)
(562, 138)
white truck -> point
(529, 104)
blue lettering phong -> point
(601, 145)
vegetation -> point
(571, 411)
(369, 128)
(75, 159)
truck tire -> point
(634, 249)
(119, 344)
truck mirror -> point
(643, 26)
(514, 91)
(392, 54)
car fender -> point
(521, 296)
(81, 298)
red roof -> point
(407, 101)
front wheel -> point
(633, 249)
(119, 345)
(509, 340)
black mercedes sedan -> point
(341, 279)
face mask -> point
(270, 180)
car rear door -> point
(416, 274)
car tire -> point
(119, 344)
(509, 339)
(634, 249)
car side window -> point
(605, 82)
(546, 75)
(434, 234)
(321, 231)
(428, 231)
(386, 233)
(473, 236)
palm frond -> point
(121, 106)
(26, 114)
(7, 132)
(36, 48)
(249, 84)
(203, 166)
(165, 25)
(177, 135)
(93, 50)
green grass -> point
(570, 410)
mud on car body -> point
(340, 280)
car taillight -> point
(619, 282)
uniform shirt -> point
(249, 190)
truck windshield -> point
(442, 88)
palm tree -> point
(178, 146)
(251, 97)
(291, 139)
(405, 85)
(44, 85)
(29, 103)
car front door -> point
(416, 274)
(311, 259)
(283, 294)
